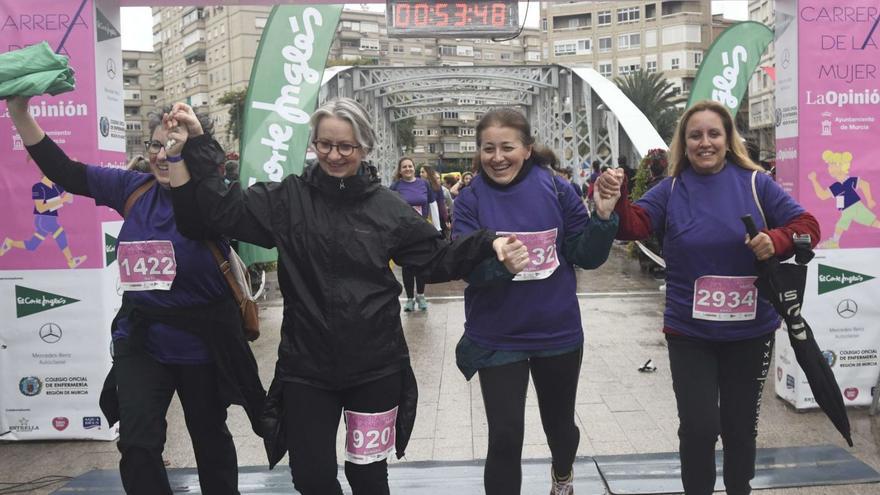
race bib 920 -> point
(718, 298)
(369, 437)
(146, 265)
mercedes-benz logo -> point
(786, 58)
(111, 68)
(847, 308)
(50, 333)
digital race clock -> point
(437, 19)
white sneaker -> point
(565, 487)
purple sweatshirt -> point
(704, 238)
(542, 311)
(198, 280)
(417, 194)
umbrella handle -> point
(751, 228)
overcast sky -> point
(137, 22)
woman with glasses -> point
(530, 323)
(418, 194)
(342, 348)
(178, 329)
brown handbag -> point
(239, 281)
(233, 271)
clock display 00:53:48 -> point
(456, 14)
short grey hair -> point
(351, 111)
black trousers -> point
(718, 388)
(145, 388)
(504, 395)
(311, 418)
(409, 277)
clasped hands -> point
(511, 252)
(180, 124)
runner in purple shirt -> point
(418, 194)
(528, 324)
(178, 329)
(719, 332)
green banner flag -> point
(283, 92)
(728, 64)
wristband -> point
(173, 159)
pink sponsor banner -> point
(839, 124)
(787, 165)
(71, 238)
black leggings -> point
(409, 276)
(718, 388)
(312, 419)
(145, 388)
(504, 394)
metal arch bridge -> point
(573, 110)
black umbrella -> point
(783, 285)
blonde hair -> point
(736, 150)
(843, 158)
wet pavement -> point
(619, 409)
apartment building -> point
(207, 52)
(616, 38)
(762, 88)
(143, 93)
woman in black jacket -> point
(342, 346)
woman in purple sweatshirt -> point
(529, 323)
(418, 194)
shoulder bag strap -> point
(226, 270)
(135, 195)
(755, 195)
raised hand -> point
(512, 252)
(608, 184)
(605, 203)
(18, 104)
(186, 116)
(177, 135)
(24, 122)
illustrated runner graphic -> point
(48, 199)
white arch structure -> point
(574, 110)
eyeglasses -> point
(153, 147)
(325, 147)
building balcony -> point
(195, 53)
(198, 67)
(347, 34)
(572, 29)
